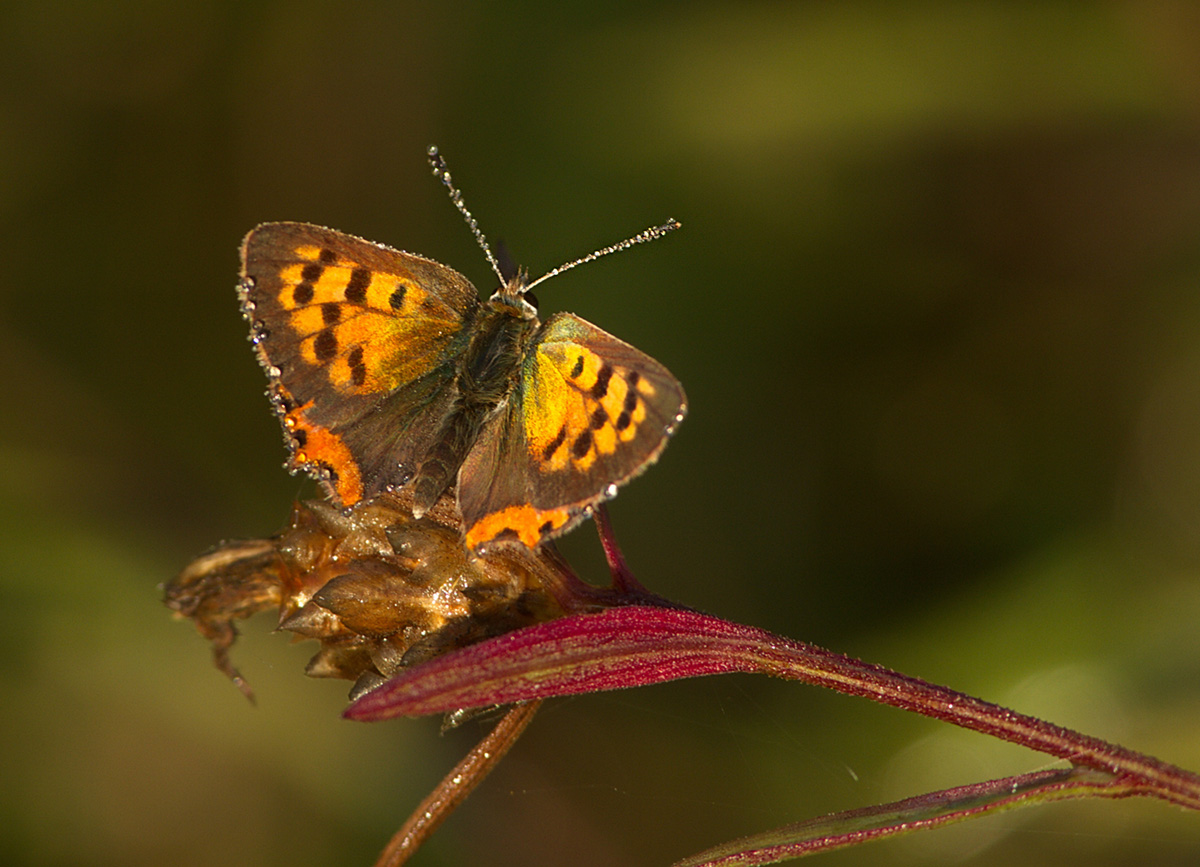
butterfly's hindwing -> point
(589, 413)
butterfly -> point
(389, 373)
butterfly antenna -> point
(653, 233)
(443, 174)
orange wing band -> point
(319, 446)
(526, 523)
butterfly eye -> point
(531, 298)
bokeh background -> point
(936, 304)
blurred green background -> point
(936, 304)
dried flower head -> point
(377, 588)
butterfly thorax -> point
(487, 373)
(502, 330)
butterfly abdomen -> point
(487, 373)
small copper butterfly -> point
(388, 372)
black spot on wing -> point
(326, 345)
(356, 288)
(582, 444)
(358, 370)
(631, 399)
(555, 443)
(600, 388)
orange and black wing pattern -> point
(589, 413)
(360, 344)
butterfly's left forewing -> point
(589, 413)
(359, 342)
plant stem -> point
(456, 785)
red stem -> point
(639, 645)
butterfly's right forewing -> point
(360, 343)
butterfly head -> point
(514, 293)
